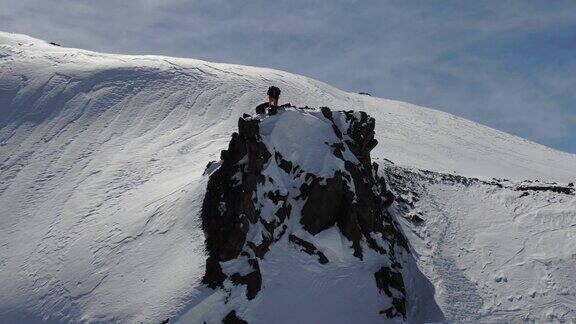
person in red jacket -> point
(272, 104)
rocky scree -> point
(247, 207)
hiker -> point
(272, 104)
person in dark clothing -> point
(272, 104)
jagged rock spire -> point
(262, 193)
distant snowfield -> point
(494, 253)
(101, 162)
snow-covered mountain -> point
(101, 189)
(302, 225)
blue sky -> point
(507, 64)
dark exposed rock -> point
(309, 248)
(323, 204)
(389, 312)
(338, 149)
(228, 209)
(558, 189)
(214, 277)
(243, 217)
(326, 112)
(261, 249)
(400, 305)
(283, 164)
(456, 179)
(357, 213)
(387, 279)
(361, 131)
(253, 280)
(281, 233)
(232, 318)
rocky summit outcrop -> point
(287, 178)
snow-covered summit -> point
(284, 215)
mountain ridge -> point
(437, 141)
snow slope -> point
(153, 91)
(496, 252)
(101, 161)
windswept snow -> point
(39, 81)
(305, 138)
(496, 254)
(101, 162)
